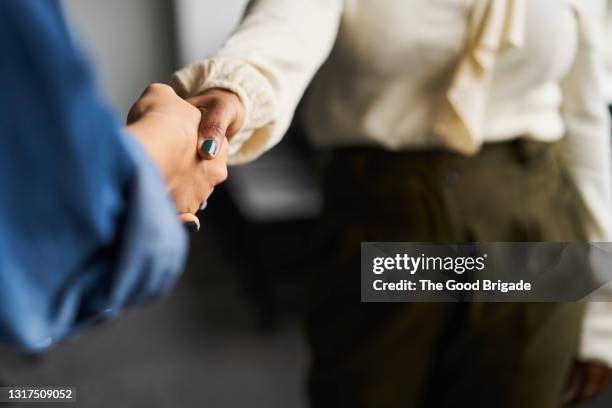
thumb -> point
(212, 130)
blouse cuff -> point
(598, 325)
(253, 89)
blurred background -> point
(229, 335)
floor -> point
(199, 347)
(202, 346)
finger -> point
(146, 99)
(157, 88)
(136, 112)
(224, 151)
(190, 221)
(212, 130)
(218, 166)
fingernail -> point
(209, 146)
(191, 226)
(204, 205)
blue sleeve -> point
(86, 228)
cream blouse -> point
(427, 73)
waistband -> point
(519, 151)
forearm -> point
(86, 227)
(268, 62)
(587, 151)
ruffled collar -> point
(494, 25)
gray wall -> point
(203, 25)
(131, 43)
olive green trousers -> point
(390, 355)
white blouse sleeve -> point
(267, 62)
(587, 141)
(588, 153)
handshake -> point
(187, 140)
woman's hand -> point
(167, 127)
(222, 117)
(587, 381)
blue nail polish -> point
(204, 205)
(191, 226)
(209, 146)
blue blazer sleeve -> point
(86, 228)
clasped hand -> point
(187, 140)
